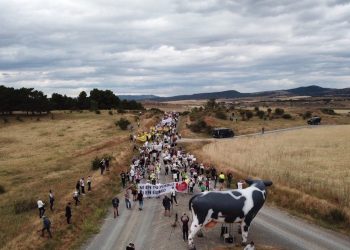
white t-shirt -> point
(40, 204)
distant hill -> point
(313, 90)
(137, 97)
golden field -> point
(309, 167)
(36, 156)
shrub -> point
(185, 113)
(249, 114)
(220, 115)
(95, 163)
(307, 115)
(279, 111)
(97, 112)
(110, 112)
(260, 114)
(121, 111)
(5, 120)
(286, 116)
(22, 206)
(122, 123)
(18, 118)
(2, 189)
(198, 126)
(328, 111)
(336, 215)
(256, 109)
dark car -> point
(222, 133)
(314, 120)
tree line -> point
(33, 101)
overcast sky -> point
(165, 47)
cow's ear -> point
(267, 183)
(249, 181)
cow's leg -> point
(244, 230)
(195, 227)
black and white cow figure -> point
(232, 206)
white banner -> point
(150, 190)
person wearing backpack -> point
(46, 226)
(115, 203)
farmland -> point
(53, 152)
(309, 168)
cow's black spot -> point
(245, 228)
(236, 193)
(258, 199)
(229, 207)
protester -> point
(76, 197)
(46, 226)
(173, 196)
(134, 194)
(240, 184)
(131, 246)
(123, 178)
(166, 205)
(107, 164)
(102, 166)
(51, 199)
(221, 180)
(115, 203)
(229, 180)
(68, 212)
(127, 199)
(89, 183)
(82, 185)
(77, 186)
(185, 219)
(250, 246)
(140, 199)
(41, 207)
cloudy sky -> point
(168, 47)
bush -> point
(121, 111)
(95, 163)
(279, 111)
(249, 114)
(198, 126)
(185, 113)
(18, 118)
(336, 215)
(220, 115)
(260, 114)
(97, 112)
(307, 115)
(110, 112)
(286, 116)
(2, 189)
(22, 206)
(5, 120)
(328, 111)
(122, 123)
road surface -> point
(149, 229)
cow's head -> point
(261, 184)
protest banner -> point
(157, 190)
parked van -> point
(314, 120)
(222, 133)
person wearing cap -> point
(185, 219)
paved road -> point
(149, 229)
(253, 134)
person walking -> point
(77, 186)
(68, 212)
(51, 199)
(229, 180)
(46, 226)
(41, 208)
(140, 199)
(89, 183)
(82, 185)
(173, 196)
(107, 164)
(102, 166)
(221, 180)
(127, 199)
(185, 219)
(76, 197)
(166, 205)
(115, 203)
(123, 178)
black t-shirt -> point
(115, 202)
(185, 220)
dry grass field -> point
(309, 167)
(36, 156)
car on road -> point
(222, 133)
(314, 120)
